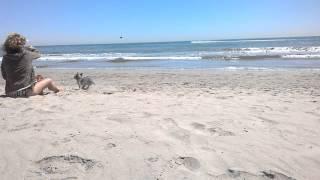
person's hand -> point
(39, 78)
(31, 48)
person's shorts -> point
(24, 92)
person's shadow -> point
(5, 96)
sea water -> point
(261, 53)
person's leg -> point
(45, 83)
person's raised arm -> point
(33, 53)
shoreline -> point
(184, 64)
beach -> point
(166, 124)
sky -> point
(53, 22)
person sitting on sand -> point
(17, 69)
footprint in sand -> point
(275, 175)
(267, 120)
(110, 146)
(263, 175)
(198, 126)
(20, 127)
(147, 114)
(190, 163)
(216, 131)
(108, 93)
(58, 164)
(174, 130)
(153, 159)
(63, 167)
(224, 97)
(235, 174)
(220, 132)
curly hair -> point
(14, 43)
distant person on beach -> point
(17, 69)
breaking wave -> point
(217, 54)
(108, 57)
(239, 41)
(265, 53)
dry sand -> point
(166, 125)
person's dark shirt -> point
(17, 69)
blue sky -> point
(81, 21)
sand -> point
(186, 124)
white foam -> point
(77, 57)
(63, 58)
(162, 58)
(204, 42)
(233, 68)
(280, 50)
(265, 51)
(302, 56)
(244, 40)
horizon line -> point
(223, 39)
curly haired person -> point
(17, 69)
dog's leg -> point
(79, 84)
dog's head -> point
(78, 76)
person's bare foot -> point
(58, 90)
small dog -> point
(83, 82)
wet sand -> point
(188, 124)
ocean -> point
(260, 53)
